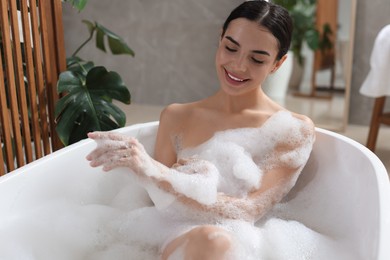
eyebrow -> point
(255, 51)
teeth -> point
(234, 78)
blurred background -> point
(175, 42)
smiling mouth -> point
(234, 78)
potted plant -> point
(303, 13)
(88, 90)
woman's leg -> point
(203, 242)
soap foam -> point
(110, 228)
(109, 216)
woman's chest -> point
(200, 128)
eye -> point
(230, 49)
(257, 61)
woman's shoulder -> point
(300, 118)
(181, 111)
(299, 122)
(307, 127)
(176, 112)
(177, 108)
(175, 116)
(304, 119)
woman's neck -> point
(237, 104)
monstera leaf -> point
(116, 44)
(87, 104)
(78, 4)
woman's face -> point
(245, 56)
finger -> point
(98, 152)
(107, 146)
(112, 139)
(115, 164)
(100, 135)
(111, 157)
(105, 159)
(126, 161)
(118, 137)
(134, 143)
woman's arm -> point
(120, 151)
(188, 187)
(276, 183)
(114, 150)
(166, 140)
(280, 174)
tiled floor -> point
(144, 113)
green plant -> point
(88, 90)
(303, 15)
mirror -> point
(312, 90)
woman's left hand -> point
(116, 150)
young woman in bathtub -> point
(226, 159)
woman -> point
(253, 44)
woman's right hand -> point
(115, 150)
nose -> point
(239, 64)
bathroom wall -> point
(371, 16)
(175, 43)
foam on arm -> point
(281, 168)
(196, 181)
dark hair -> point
(273, 17)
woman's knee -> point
(211, 237)
(207, 242)
(204, 242)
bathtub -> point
(343, 192)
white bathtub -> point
(343, 192)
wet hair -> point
(271, 16)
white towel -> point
(377, 82)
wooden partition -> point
(32, 55)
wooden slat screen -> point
(32, 55)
